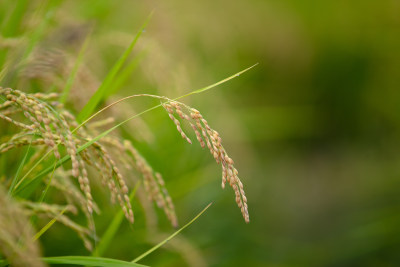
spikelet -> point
(17, 123)
(153, 182)
(71, 192)
(177, 123)
(20, 142)
(52, 127)
(112, 177)
(206, 136)
(38, 113)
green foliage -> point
(90, 261)
(28, 187)
(106, 85)
(313, 129)
(71, 77)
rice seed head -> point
(154, 184)
(54, 129)
(177, 123)
(38, 113)
(203, 131)
(115, 181)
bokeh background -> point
(314, 128)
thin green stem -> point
(171, 236)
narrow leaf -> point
(71, 78)
(12, 26)
(124, 75)
(171, 236)
(47, 226)
(89, 261)
(21, 165)
(102, 90)
(33, 38)
(218, 83)
(38, 32)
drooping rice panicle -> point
(154, 184)
(54, 129)
(176, 122)
(203, 131)
(18, 143)
(112, 176)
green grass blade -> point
(198, 91)
(12, 26)
(48, 184)
(171, 236)
(33, 37)
(124, 75)
(48, 225)
(21, 165)
(108, 81)
(71, 78)
(90, 261)
(22, 184)
(38, 32)
(31, 169)
(105, 241)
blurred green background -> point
(314, 128)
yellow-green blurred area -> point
(314, 128)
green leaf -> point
(124, 75)
(12, 26)
(48, 225)
(33, 38)
(21, 165)
(37, 33)
(74, 71)
(171, 236)
(48, 184)
(90, 261)
(110, 78)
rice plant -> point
(51, 139)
